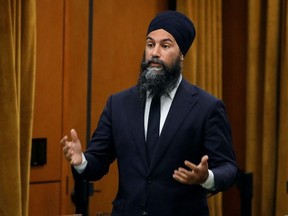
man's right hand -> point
(72, 149)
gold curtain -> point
(267, 109)
(282, 172)
(203, 63)
(17, 71)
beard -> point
(158, 80)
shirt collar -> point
(172, 93)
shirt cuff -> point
(209, 183)
(81, 167)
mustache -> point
(155, 60)
(146, 63)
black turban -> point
(178, 25)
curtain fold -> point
(267, 105)
(17, 72)
(203, 62)
(282, 172)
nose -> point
(156, 51)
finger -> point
(70, 152)
(63, 140)
(65, 149)
(190, 165)
(180, 174)
(179, 177)
(68, 149)
(68, 155)
(74, 135)
(204, 160)
(184, 172)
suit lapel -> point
(182, 104)
(135, 112)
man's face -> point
(161, 65)
(161, 44)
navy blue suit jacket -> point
(196, 125)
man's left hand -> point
(196, 174)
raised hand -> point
(195, 174)
(72, 149)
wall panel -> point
(48, 89)
(234, 87)
(74, 86)
(44, 199)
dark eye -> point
(166, 46)
(149, 44)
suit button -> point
(149, 180)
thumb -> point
(204, 159)
(74, 135)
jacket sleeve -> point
(219, 147)
(100, 152)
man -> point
(191, 155)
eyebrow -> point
(163, 40)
